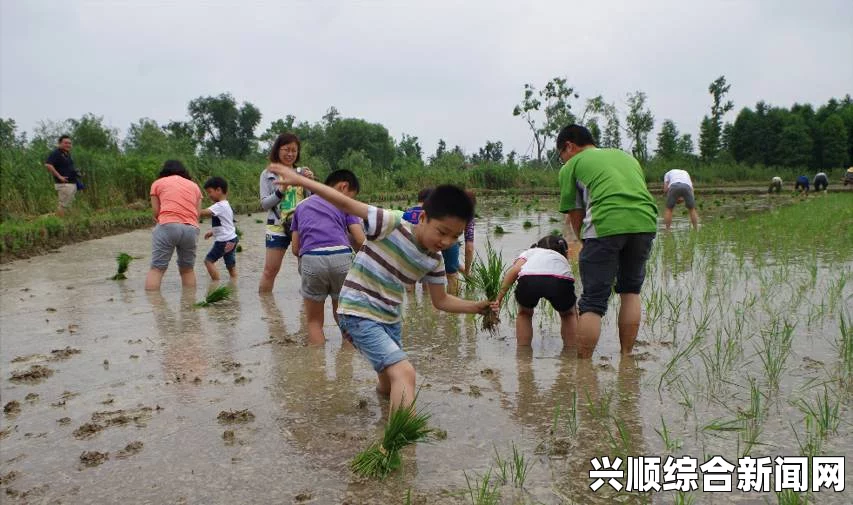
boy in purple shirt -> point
(320, 241)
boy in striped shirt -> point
(396, 254)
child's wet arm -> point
(510, 278)
(349, 205)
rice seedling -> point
(527, 225)
(553, 220)
(776, 347)
(216, 295)
(556, 232)
(519, 466)
(405, 426)
(486, 277)
(672, 444)
(499, 230)
(845, 347)
(123, 260)
(824, 413)
(682, 498)
(481, 490)
(572, 418)
(502, 473)
(789, 497)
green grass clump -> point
(216, 295)
(123, 260)
(499, 230)
(405, 426)
(486, 277)
(527, 224)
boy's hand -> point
(289, 177)
(484, 307)
(208, 235)
(495, 306)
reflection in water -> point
(184, 357)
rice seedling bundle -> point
(217, 295)
(486, 276)
(406, 426)
(123, 260)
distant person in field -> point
(469, 238)
(775, 185)
(223, 230)
(396, 254)
(321, 240)
(175, 202)
(280, 203)
(543, 271)
(802, 184)
(848, 176)
(609, 207)
(679, 188)
(821, 182)
(65, 175)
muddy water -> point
(171, 369)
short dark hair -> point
(553, 242)
(344, 176)
(449, 201)
(174, 167)
(63, 137)
(217, 183)
(284, 139)
(576, 134)
(424, 194)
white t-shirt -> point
(539, 261)
(777, 179)
(222, 221)
(676, 175)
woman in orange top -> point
(176, 202)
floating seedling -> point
(406, 426)
(216, 295)
(123, 260)
(499, 230)
(486, 277)
(527, 225)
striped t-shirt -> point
(389, 259)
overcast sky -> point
(434, 69)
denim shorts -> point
(378, 342)
(618, 257)
(170, 236)
(277, 241)
(218, 251)
(451, 259)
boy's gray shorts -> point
(323, 275)
(170, 236)
(677, 191)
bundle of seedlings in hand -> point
(217, 295)
(406, 426)
(123, 260)
(486, 276)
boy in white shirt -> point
(224, 232)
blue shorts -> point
(451, 259)
(278, 241)
(378, 342)
(218, 251)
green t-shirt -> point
(609, 185)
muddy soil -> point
(154, 370)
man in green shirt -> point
(611, 210)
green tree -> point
(439, 151)
(612, 134)
(147, 138)
(223, 128)
(795, 144)
(639, 122)
(278, 127)
(491, 152)
(834, 134)
(527, 109)
(9, 137)
(346, 134)
(668, 141)
(711, 129)
(685, 145)
(355, 160)
(89, 132)
(546, 111)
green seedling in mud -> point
(481, 490)
(824, 413)
(486, 277)
(123, 260)
(845, 347)
(556, 232)
(406, 426)
(499, 230)
(216, 295)
(682, 498)
(527, 224)
(519, 466)
(672, 444)
(776, 347)
(502, 473)
(789, 497)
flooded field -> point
(113, 395)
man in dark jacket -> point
(65, 176)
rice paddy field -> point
(114, 395)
